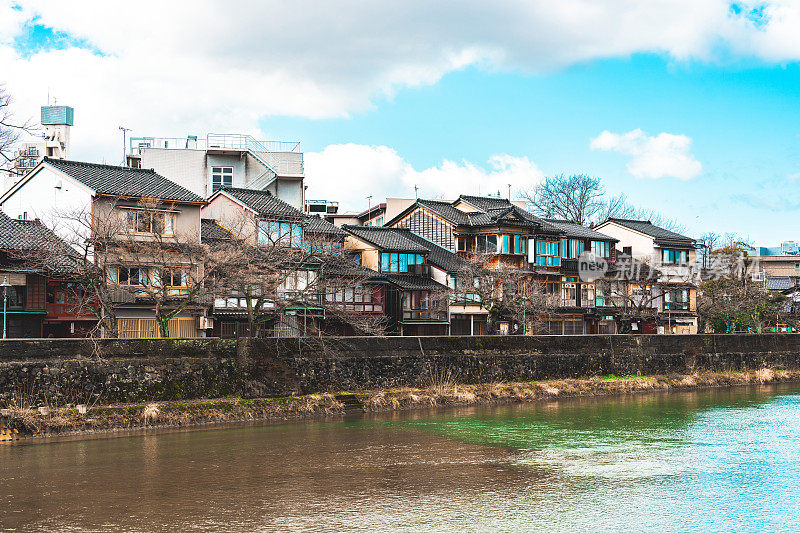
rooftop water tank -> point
(57, 114)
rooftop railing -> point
(231, 141)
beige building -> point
(673, 256)
(204, 166)
(126, 206)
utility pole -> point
(5, 286)
(124, 131)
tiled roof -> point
(648, 228)
(318, 224)
(779, 283)
(438, 256)
(409, 282)
(387, 238)
(484, 202)
(33, 236)
(573, 229)
(124, 181)
(498, 211)
(263, 203)
(210, 230)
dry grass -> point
(440, 392)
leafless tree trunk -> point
(11, 129)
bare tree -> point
(507, 293)
(576, 198)
(11, 129)
(582, 199)
(271, 275)
(735, 302)
(631, 289)
(166, 268)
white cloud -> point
(178, 67)
(350, 172)
(665, 155)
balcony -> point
(424, 315)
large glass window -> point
(140, 221)
(571, 248)
(280, 232)
(399, 262)
(601, 249)
(675, 257)
(486, 244)
(547, 253)
(221, 177)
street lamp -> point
(5, 286)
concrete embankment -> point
(207, 380)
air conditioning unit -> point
(758, 276)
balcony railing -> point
(430, 315)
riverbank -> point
(75, 420)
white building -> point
(224, 160)
(55, 143)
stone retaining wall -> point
(61, 371)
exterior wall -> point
(395, 206)
(187, 216)
(40, 197)
(232, 216)
(187, 168)
(290, 190)
(780, 265)
(642, 246)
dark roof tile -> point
(263, 203)
(573, 229)
(387, 238)
(124, 181)
(648, 228)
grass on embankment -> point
(31, 422)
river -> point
(721, 460)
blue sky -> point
(743, 122)
(699, 101)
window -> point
(520, 245)
(675, 257)
(571, 248)
(16, 296)
(547, 253)
(462, 244)
(278, 232)
(221, 177)
(358, 298)
(486, 243)
(601, 249)
(129, 276)
(139, 221)
(399, 262)
(677, 299)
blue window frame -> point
(400, 262)
(601, 249)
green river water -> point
(722, 460)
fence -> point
(143, 328)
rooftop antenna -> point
(124, 131)
(369, 208)
(509, 192)
(416, 194)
